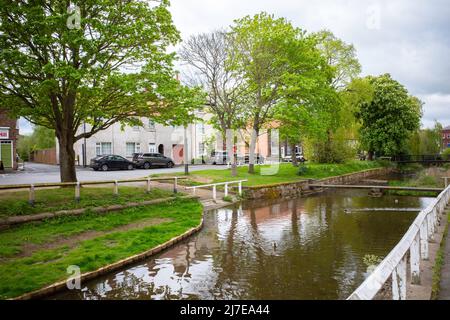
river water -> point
(305, 248)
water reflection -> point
(309, 248)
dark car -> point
(148, 160)
(111, 162)
(259, 159)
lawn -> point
(38, 254)
(286, 173)
(50, 200)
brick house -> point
(446, 138)
(9, 133)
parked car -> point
(217, 157)
(148, 160)
(259, 159)
(299, 156)
(112, 161)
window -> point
(202, 128)
(152, 147)
(136, 128)
(132, 147)
(201, 148)
(151, 125)
(102, 148)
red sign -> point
(4, 133)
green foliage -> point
(227, 199)
(41, 138)
(371, 259)
(446, 154)
(388, 120)
(114, 67)
(302, 170)
(426, 141)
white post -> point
(116, 188)
(31, 196)
(175, 185)
(195, 191)
(77, 192)
(214, 192)
(424, 240)
(401, 272)
(226, 189)
(240, 188)
(414, 253)
(395, 288)
(430, 227)
(148, 185)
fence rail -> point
(214, 189)
(32, 187)
(413, 244)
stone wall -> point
(301, 188)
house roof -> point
(446, 128)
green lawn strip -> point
(286, 173)
(438, 264)
(422, 181)
(50, 200)
(21, 275)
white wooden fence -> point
(414, 245)
(214, 187)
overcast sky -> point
(410, 39)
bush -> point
(446, 154)
(302, 169)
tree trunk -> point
(294, 155)
(251, 158)
(67, 157)
(370, 155)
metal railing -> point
(32, 187)
(214, 187)
(414, 245)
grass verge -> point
(286, 172)
(21, 272)
(50, 200)
(438, 264)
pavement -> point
(42, 173)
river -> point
(305, 248)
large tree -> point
(207, 56)
(389, 118)
(261, 48)
(101, 62)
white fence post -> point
(116, 188)
(414, 253)
(399, 281)
(31, 197)
(214, 192)
(424, 240)
(226, 189)
(77, 192)
(148, 185)
(240, 188)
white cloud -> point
(409, 39)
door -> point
(6, 153)
(122, 163)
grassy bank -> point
(35, 255)
(421, 180)
(50, 200)
(286, 173)
(438, 264)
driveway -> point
(40, 173)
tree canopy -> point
(389, 118)
(98, 62)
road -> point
(41, 173)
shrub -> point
(446, 154)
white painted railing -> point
(214, 187)
(413, 244)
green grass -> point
(422, 180)
(285, 173)
(19, 275)
(438, 264)
(50, 200)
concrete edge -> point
(61, 285)
(18, 220)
